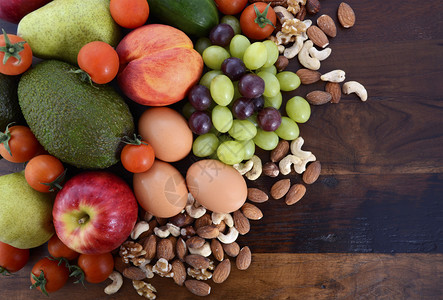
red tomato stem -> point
(261, 19)
(10, 49)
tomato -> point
(99, 60)
(258, 25)
(49, 275)
(137, 156)
(18, 144)
(57, 249)
(12, 259)
(129, 13)
(15, 54)
(231, 7)
(98, 267)
(44, 173)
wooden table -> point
(371, 227)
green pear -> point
(61, 28)
(25, 214)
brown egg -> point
(161, 190)
(168, 133)
(216, 186)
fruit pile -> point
(98, 99)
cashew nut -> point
(355, 87)
(334, 76)
(308, 23)
(193, 208)
(228, 238)
(306, 60)
(283, 14)
(256, 170)
(286, 163)
(162, 232)
(217, 218)
(117, 282)
(243, 168)
(139, 228)
(292, 51)
(320, 54)
(296, 148)
(173, 229)
(204, 250)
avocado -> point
(79, 123)
(9, 108)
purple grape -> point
(243, 108)
(234, 68)
(259, 103)
(251, 86)
(269, 119)
(200, 97)
(221, 35)
(200, 122)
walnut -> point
(199, 274)
(163, 268)
(132, 252)
(284, 38)
(144, 289)
(293, 27)
(294, 5)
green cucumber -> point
(194, 17)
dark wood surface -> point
(378, 205)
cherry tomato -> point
(12, 259)
(15, 54)
(57, 249)
(99, 60)
(231, 7)
(129, 13)
(258, 25)
(21, 143)
(44, 173)
(96, 267)
(137, 156)
(48, 275)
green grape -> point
(208, 76)
(272, 69)
(231, 152)
(233, 22)
(274, 102)
(272, 85)
(255, 56)
(298, 109)
(249, 148)
(205, 144)
(236, 91)
(224, 138)
(222, 118)
(289, 81)
(242, 130)
(272, 53)
(201, 44)
(239, 44)
(187, 110)
(266, 140)
(288, 129)
(213, 56)
(253, 119)
(222, 90)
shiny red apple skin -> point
(14, 10)
(107, 206)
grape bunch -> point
(235, 106)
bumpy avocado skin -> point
(9, 108)
(79, 123)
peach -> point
(158, 65)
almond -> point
(150, 246)
(257, 195)
(203, 221)
(195, 242)
(308, 76)
(326, 24)
(313, 6)
(134, 273)
(280, 151)
(217, 249)
(119, 264)
(317, 36)
(243, 260)
(312, 172)
(179, 271)
(181, 220)
(198, 287)
(251, 211)
(165, 249)
(241, 223)
(221, 226)
(280, 188)
(335, 90)
(296, 192)
(346, 15)
(181, 249)
(208, 232)
(222, 271)
(197, 261)
(231, 249)
(318, 97)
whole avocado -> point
(79, 123)
(9, 108)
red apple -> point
(14, 10)
(95, 212)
